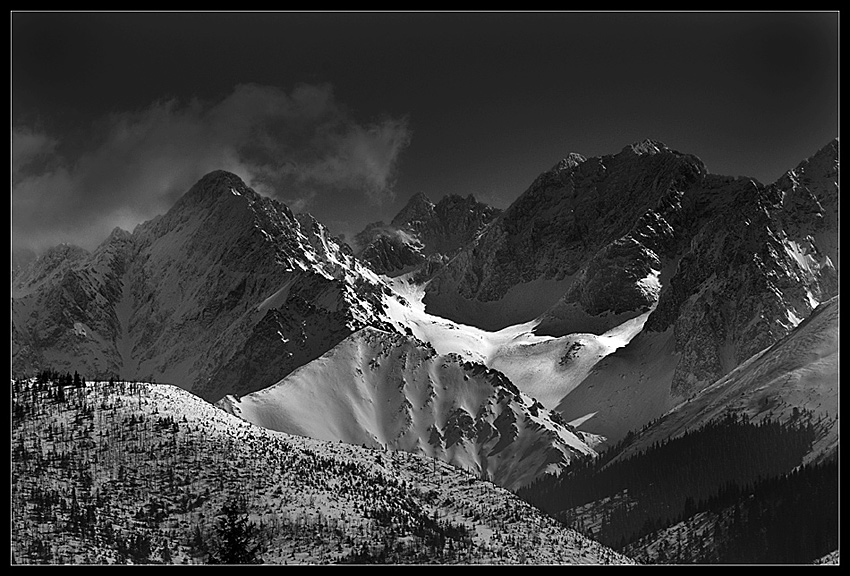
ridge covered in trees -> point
(723, 464)
(135, 473)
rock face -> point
(385, 390)
(727, 266)
(562, 233)
(63, 308)
(225, 293)
(423, 235)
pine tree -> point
(197, 544)
(165, 554)
(238, 539)
(140, 548)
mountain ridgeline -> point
(508, 342)
(728, 265)
(212, 296)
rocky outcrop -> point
(423, 235)
(562, 230)
(728, 264)
(63, 308)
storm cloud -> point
(302, 146)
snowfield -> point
(546, 368)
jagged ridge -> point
(384, 389)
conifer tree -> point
(238, 539)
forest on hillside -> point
(766, 507)
(136, 473)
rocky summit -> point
(423, 235)
(723, 266)
(213, 296)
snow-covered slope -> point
(544, 367)
(139, 473)
(383, 389)
(796, 376)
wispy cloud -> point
(302, 146)
(29, 148)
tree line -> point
(620, 501)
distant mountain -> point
(566, 239)
(118, 473)
(225, 293)
(755, 268)
(714, 268)
(423, 235)
(383, 389)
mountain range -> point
(629, 292)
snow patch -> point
(277, 299)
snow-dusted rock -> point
(385, 390)
(226, 292)
(725, 266)
(423, 235)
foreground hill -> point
(140, 473)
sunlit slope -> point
(380, 388)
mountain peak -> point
(118, 233)
(216, 184)
(571, 160)
(646, 146)
(418, 207)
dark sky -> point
(347, 115)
